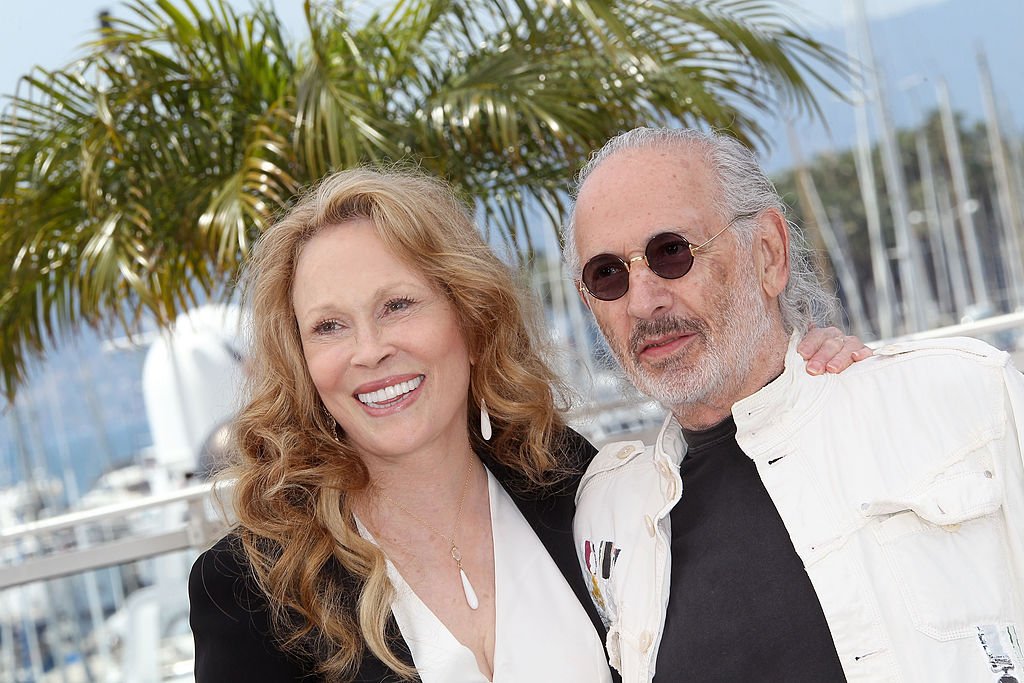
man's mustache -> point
(660, 327)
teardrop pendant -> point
(467, 587)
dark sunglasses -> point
(668, 255)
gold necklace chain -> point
(455, 553)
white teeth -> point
(375, 398)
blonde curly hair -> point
(295, 475)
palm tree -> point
(133, 182)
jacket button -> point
(646, 640)
(625, 452)
(650, 525)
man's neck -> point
(699, 418)
(707, 413)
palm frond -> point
(134, 181)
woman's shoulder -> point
(574, 450)
(571, 453)
(231, 621)
(221, 585)
(227, 552)
(225, 559)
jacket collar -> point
(766, 418)
(770, 416)
(670, 442)
(550, 514)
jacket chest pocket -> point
(946, 549)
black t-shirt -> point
(742, 608)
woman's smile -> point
(391, 394)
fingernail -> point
(815, 368)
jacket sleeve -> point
(231, 626)
(1012, 467)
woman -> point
(405, 486)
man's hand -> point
(828, 349)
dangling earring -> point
(333, 423)
(485, 421)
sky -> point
(831, 12)
(48, 32)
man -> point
(867, 526)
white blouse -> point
(542, 633)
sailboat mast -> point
(810, 198)
(961, 195)
(1009, 207)
(917, 300)
(951, 242)
(885, 294)
(943, 290)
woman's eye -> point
(400, 304)
(327, 327)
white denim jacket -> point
(901, 483)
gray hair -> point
(744, 188)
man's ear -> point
(771, 252)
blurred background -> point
(144, 145)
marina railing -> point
(198, 525)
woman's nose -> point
(373, 346)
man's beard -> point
(717, 361)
